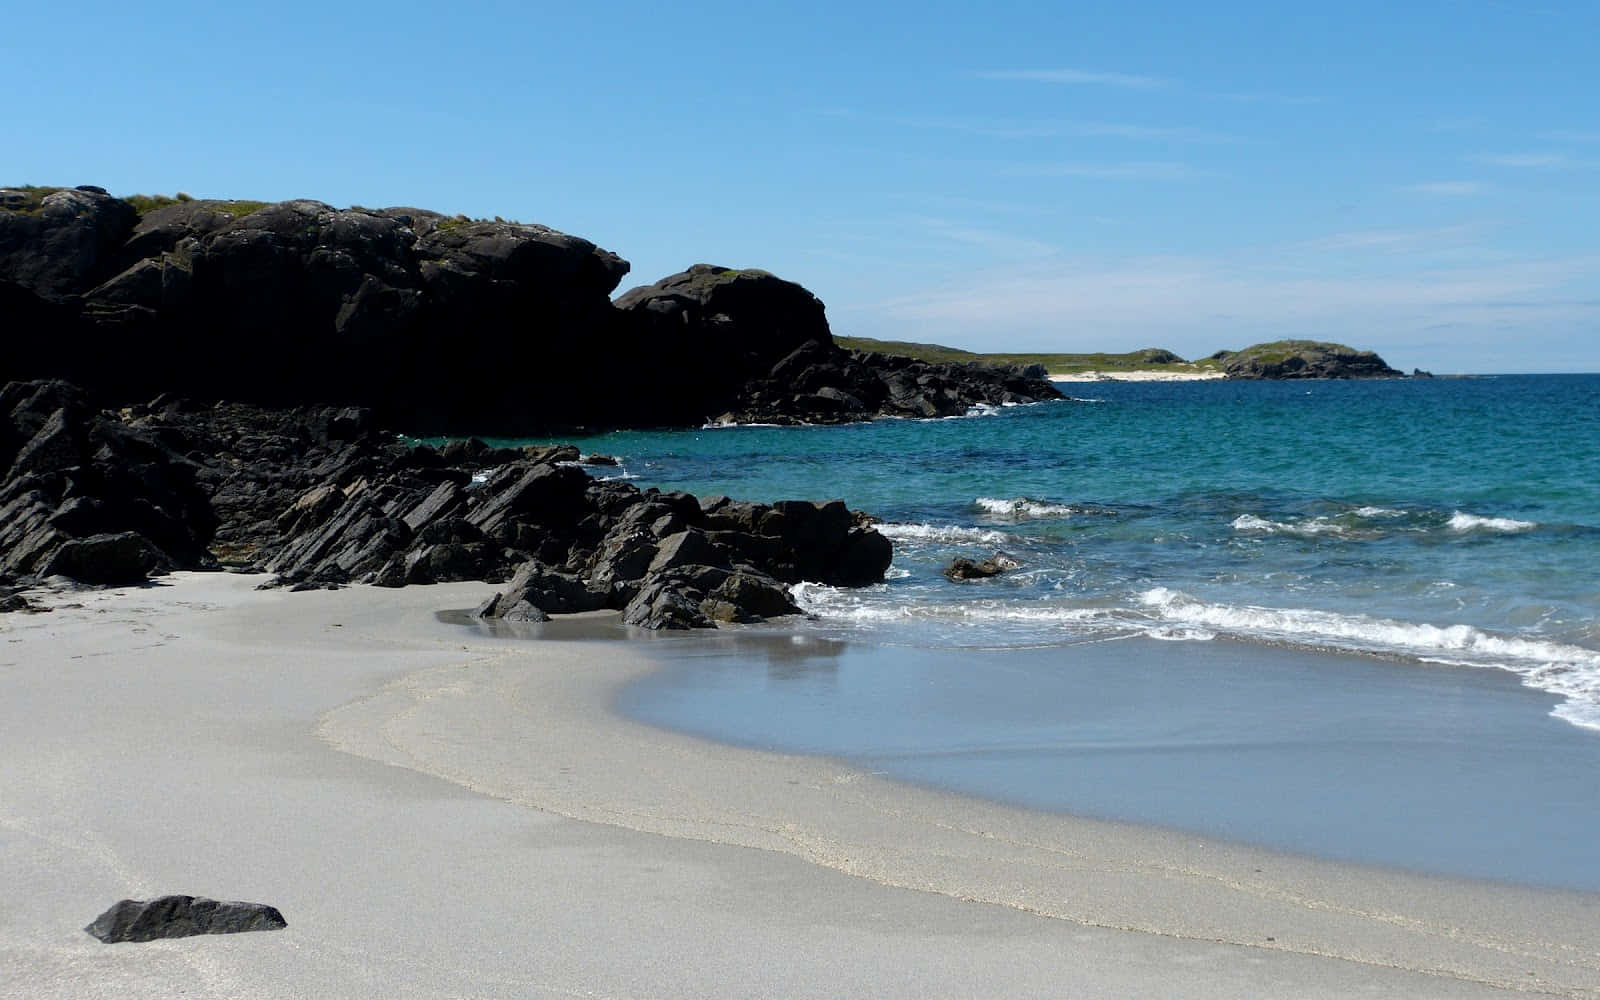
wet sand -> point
(439, 813)
(1455, 771)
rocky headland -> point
(326, 330)
(439, 324)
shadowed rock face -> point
(453, 324)
(181, 916)
(439, 325)
(91, 497)
(766, 356)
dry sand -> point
(444, 814)
(1138, 376)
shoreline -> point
(1135, 376)
(1226, 739)
(491, 780)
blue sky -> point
(1422, 179)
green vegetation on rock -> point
(26, 198)
(1277, 359)
(1151, 359)
(144, 204)
(239, 209)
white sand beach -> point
(439, 813)
(1136, 376)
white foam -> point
(1376, 512)
(946, 533)
(1022, 508)
(1309, 528)
(1572, 672)
(1464, 522)
(865, 605)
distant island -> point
(1279, 359)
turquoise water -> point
(1359, 620)
(1447, 521)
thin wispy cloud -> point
(1154, 133)
(1570, 135)
(1139, 81)
(1142, 170)
(1002, 128)
(993, 241)
(1529, 161)
(1447, 189)
(1427, 238)
(1128, 81)
(1288, 100)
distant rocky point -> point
(439, 324)
(1281, 359)
(1297, 359)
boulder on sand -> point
(181, 916)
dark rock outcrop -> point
(181, 916)
(439, 325)
(323, 497)
(300, 303)
(767, 356)
(88, 496)
(55, 243)
(1302, 359)
(962, 568)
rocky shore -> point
(439, 324)
(322, 497)
(323, 326)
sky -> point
(1421, 179)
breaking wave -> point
(1572, 672)
(1463, 522)
(941, 533)
(1024, 509)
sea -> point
(1352, 619)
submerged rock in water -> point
(182, 916)
(966, 569)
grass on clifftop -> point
(1151, 359)
(33, 196)
(144, 204)
(1279, 351)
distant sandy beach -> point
(1136, 376)
(443, 813)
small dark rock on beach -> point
(181, 916)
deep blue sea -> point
(1325, 563)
